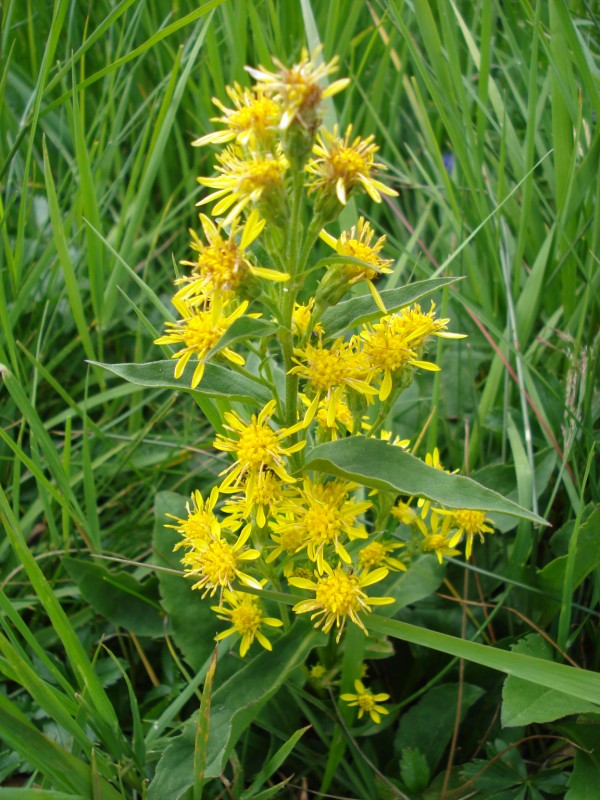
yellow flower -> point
(388, 349)
(342, 164)
(261, 496)
(222, 265)
(245, 613)
(404, 513)
(301, 317)
(379, 554)
(342, 416)
(329, 371)
(366, 701)
(288, 541)
(216, 563)
(469, 522)
(201, 524)
(297, 88)
(322, 513)
(246, 180)
(438, 539)
(339, 596)
(252, 122)
(357, 243)
(417, 326)
(200, 330)
(257, 447)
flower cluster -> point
(270, 523)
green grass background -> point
(487, 115)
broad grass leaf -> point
(234, 705)
(354, 312)
(422, 578)
(376, 463)
(192, 623)
(524, 702)
(116, 596)
(428, 725)
(217, 381)
(587, 558)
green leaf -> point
(63, 770)
(421, 580)
(361, 309)
(580, 683)
(587, 559)
(372, 462)
(273, 764)
(241, 330)
(414, 769)
(233, 707)
(10, 793)
(216, 382)
(116, 596)
(524, 702)
(585, 778)
(428, 725)
(192, 622)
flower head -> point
(379, 553)
(298, 88)
(217, 563)
(302, 316)
(328, 372)
(343, 163)
(199, 330)
(339, 596)
(417, 326)
(252, 121)
(356, 243)
(244, 181)
(366, 701)
(222, 264)
(201, 523)
(261, 495)
(322, 513)
(469, 522)
(438, 539)
(257, 447)
(388, 348)
(246, 615)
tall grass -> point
(487, 114)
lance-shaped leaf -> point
(362, 309)
(375, 463)
(241, 329)
(216, 382)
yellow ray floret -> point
(298, 88)
(246, 615)
(470, 523)
(357, 243)
(244, 181)
(252, 121)
(329, 372)
(366, 702)
(216, 563)
(343, 163)
(257, 446)
(199, 330)
(222, 264)
(323, 514)
(339, 596)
